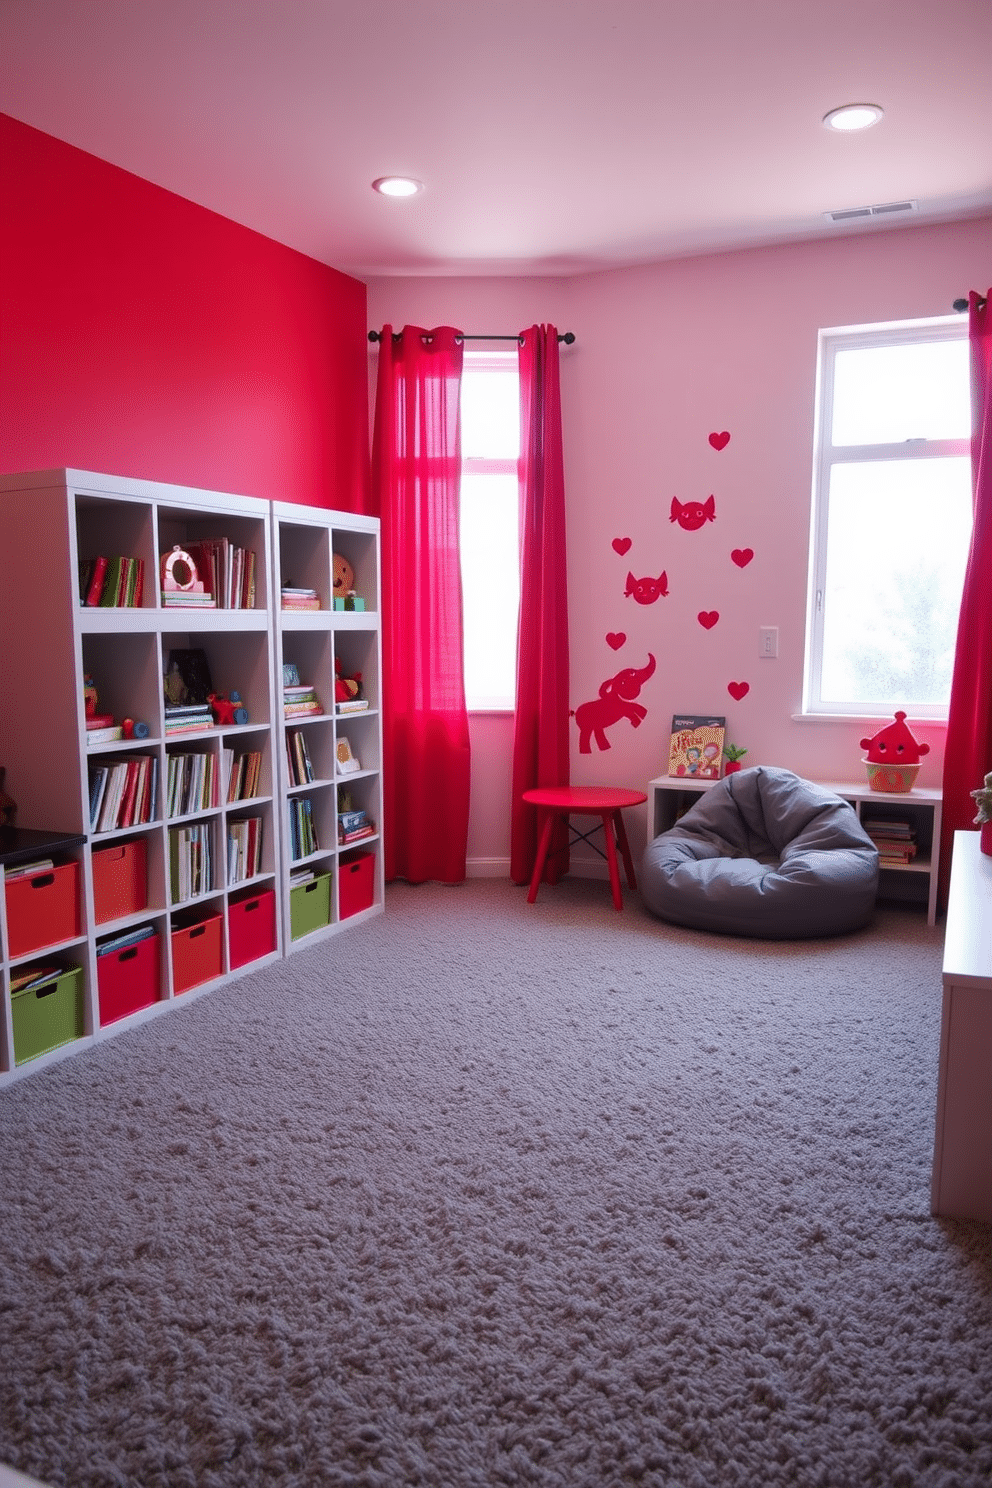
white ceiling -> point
(553, 136)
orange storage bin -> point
(120, 880)
(197, 955)
(356, 884)
(128, 979)
(43, 909)
(251, 927)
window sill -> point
(868, 719)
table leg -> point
(542, 853)
(611, 857)
(625, 850)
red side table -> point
(556, 801)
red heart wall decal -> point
(615, 639)
(708, 618)
(738, 689)
(621, 545)
(720, 441)
(742, 556)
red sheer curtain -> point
(416, 472)
(968, 751)
(540, 735)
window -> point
(490, 559)
(892, 516)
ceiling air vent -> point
(884, 209)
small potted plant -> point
(733, 754)
(983, 800)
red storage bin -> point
(43, 909)
(251, 927)
(356, 884)
(196, 953)
(120, 880)
(128, 979)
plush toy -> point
(894, 745)
(227, 710)
(344, 576)
(346, 688)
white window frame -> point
(825, 455)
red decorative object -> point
(614, 702)
(708, 618)
(646, 590)
(691, 515)
(615, 639)
(738, 690)
(742, 556)
(621, 545)
(985, 839)
(720, 441)
(731, 767)
(553, 807)
(894, 745)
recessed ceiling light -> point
(397, 186)
(853, 116)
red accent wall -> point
(142, 335)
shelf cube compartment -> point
(197, 955)
(310, 906)
(47, 1016)
(120, 880)
(251, 927)
(128, 978)
(356, 884)
(43, 909)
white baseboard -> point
(500, 868)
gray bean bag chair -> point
(764, 853)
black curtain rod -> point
(567, 336)
(961, 305)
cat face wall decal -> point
(693, 514)
(646, 590)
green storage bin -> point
(310, 906)
(45, 1017)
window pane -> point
(490, 412)
(886, 394)
(490, 588)
(896, 552)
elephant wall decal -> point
(615, 701)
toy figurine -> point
(227, 710)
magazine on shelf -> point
(695, 749)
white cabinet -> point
(962, 1161)
(199, 877)
(914, 882)
(318, 751)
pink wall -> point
(145, 336)
(666, 355)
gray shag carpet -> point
(488, 1193)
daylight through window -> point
(891, 517)
(490, 561)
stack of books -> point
(299, 599)
(187, 717)
(302, 832)
(101, 729)
(353, 826)
(187, 599)
(111, 582)
(895, 839)
(191, 784)
(227, 572)
(298, 758)
(122, 794)
(242, 774)
(300, 699)
(190, 869)
(244, 849)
